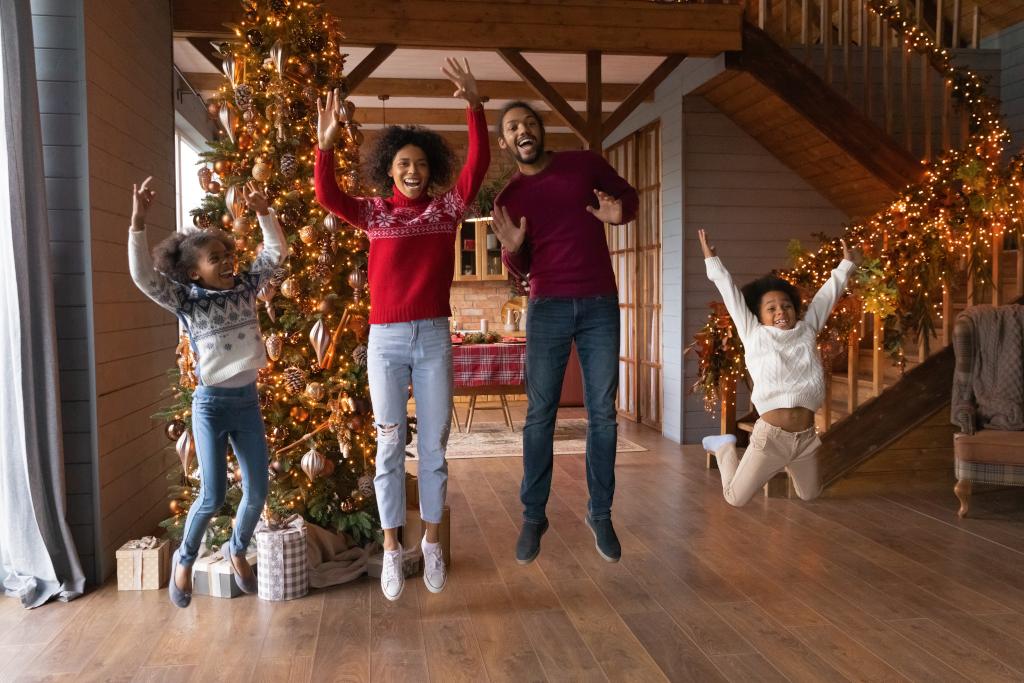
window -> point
(188, 194)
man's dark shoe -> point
(605, 539)
(528, 545)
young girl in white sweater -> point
(781, 353)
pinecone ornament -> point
(294, 380)
(366, 485)
(359, 355)
(289, 165)
(275, 344)
(243, 96)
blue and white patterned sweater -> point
(222, 324)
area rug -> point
(494, 440)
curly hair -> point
(440, 158)
(179, 253)
(754, 291)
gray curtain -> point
(38, 560)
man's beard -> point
(537, 153)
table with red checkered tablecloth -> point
(488, 369)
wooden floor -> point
(892, 588)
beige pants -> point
(771, 450)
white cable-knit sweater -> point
(222, 324)
(784, 364)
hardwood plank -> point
(675, 653)
(503, 642)
(343, 642)
(954, 651)
(561, 650)
(748, 667)
(452, 652)
(776, 643)
(166, 674)
(619, 653)
(399, 667)
(845, 654)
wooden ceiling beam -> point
(544, 90)
(594, 137)
(368, 65)
(434, 117)
(642, 92)
(548, 25)
(439, 87)
(459, 139)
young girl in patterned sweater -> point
(781, 354)
(194, 277)
(410, 271)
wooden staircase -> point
(883, 424)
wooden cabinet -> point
(478, 252)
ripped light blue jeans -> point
(399, 354)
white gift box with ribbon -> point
(211, 574)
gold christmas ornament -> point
(347, 505)
(328, 468)
(241, 226)
(275, 344)
(331, 223)
(325, 258)
(174, 429)
(308, 234)
(221, 166)
(267, 293)
(291, 288)
(213, 187)
(205, 175)
(262, 171)
(186, 449)
(313, 464)
(316, 391)
(277, 435)
(320, 338)
(175, 507)
(226, 220)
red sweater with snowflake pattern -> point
(412, 253)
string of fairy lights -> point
(935, 236)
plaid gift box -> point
(143, 564)
(211, 575)
(284, 567)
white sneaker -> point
(392, 578)
(434, 574)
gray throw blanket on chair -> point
(988, 384)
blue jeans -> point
(420, 353)
(222, 415)
(552, 324)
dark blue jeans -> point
(552, 324)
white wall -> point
(715, 176)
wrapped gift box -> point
(211, 575)
(143, 564)
(282, 559)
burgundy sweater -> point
(565, 251)
(412, 253)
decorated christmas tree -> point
(313, 392)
